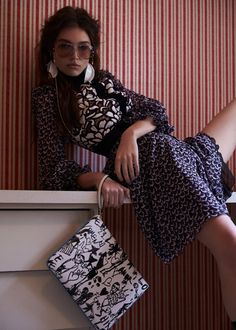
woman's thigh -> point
(223, 129)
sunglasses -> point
(64, 49)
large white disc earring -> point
(89, 74)
(52, 69)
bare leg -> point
(223, 129)
(219, 235)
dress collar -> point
(76, 81)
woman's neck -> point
(74, 81)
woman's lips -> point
(73, 65)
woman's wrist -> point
(139, 128)
(90, 180)
(130, 133)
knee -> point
(219, 236)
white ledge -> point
(49, 199)
(55, 199)
(43, 198)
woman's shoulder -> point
(43, 90)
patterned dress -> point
(181, 183)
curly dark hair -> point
(64, 18)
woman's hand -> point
(127, 156)
(113, 193)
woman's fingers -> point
(127, 168)
(136, 165)
(105, 196)
(118, 171)
(114, 194)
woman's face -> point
(72, 51)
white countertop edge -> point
(39, 197)
(47, 197)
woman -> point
(178, 188)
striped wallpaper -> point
(179, 51)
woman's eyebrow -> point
(70, 42)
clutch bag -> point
(97, 274)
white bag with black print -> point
(97, 273)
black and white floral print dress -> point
(180, 185)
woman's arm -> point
(142, 106)
(114, 194)
(144, 115)
(55, 171)
(127, 158)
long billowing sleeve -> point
(55, 171)
(143, 107)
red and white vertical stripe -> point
(181, 52)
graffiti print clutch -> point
(97, 273)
